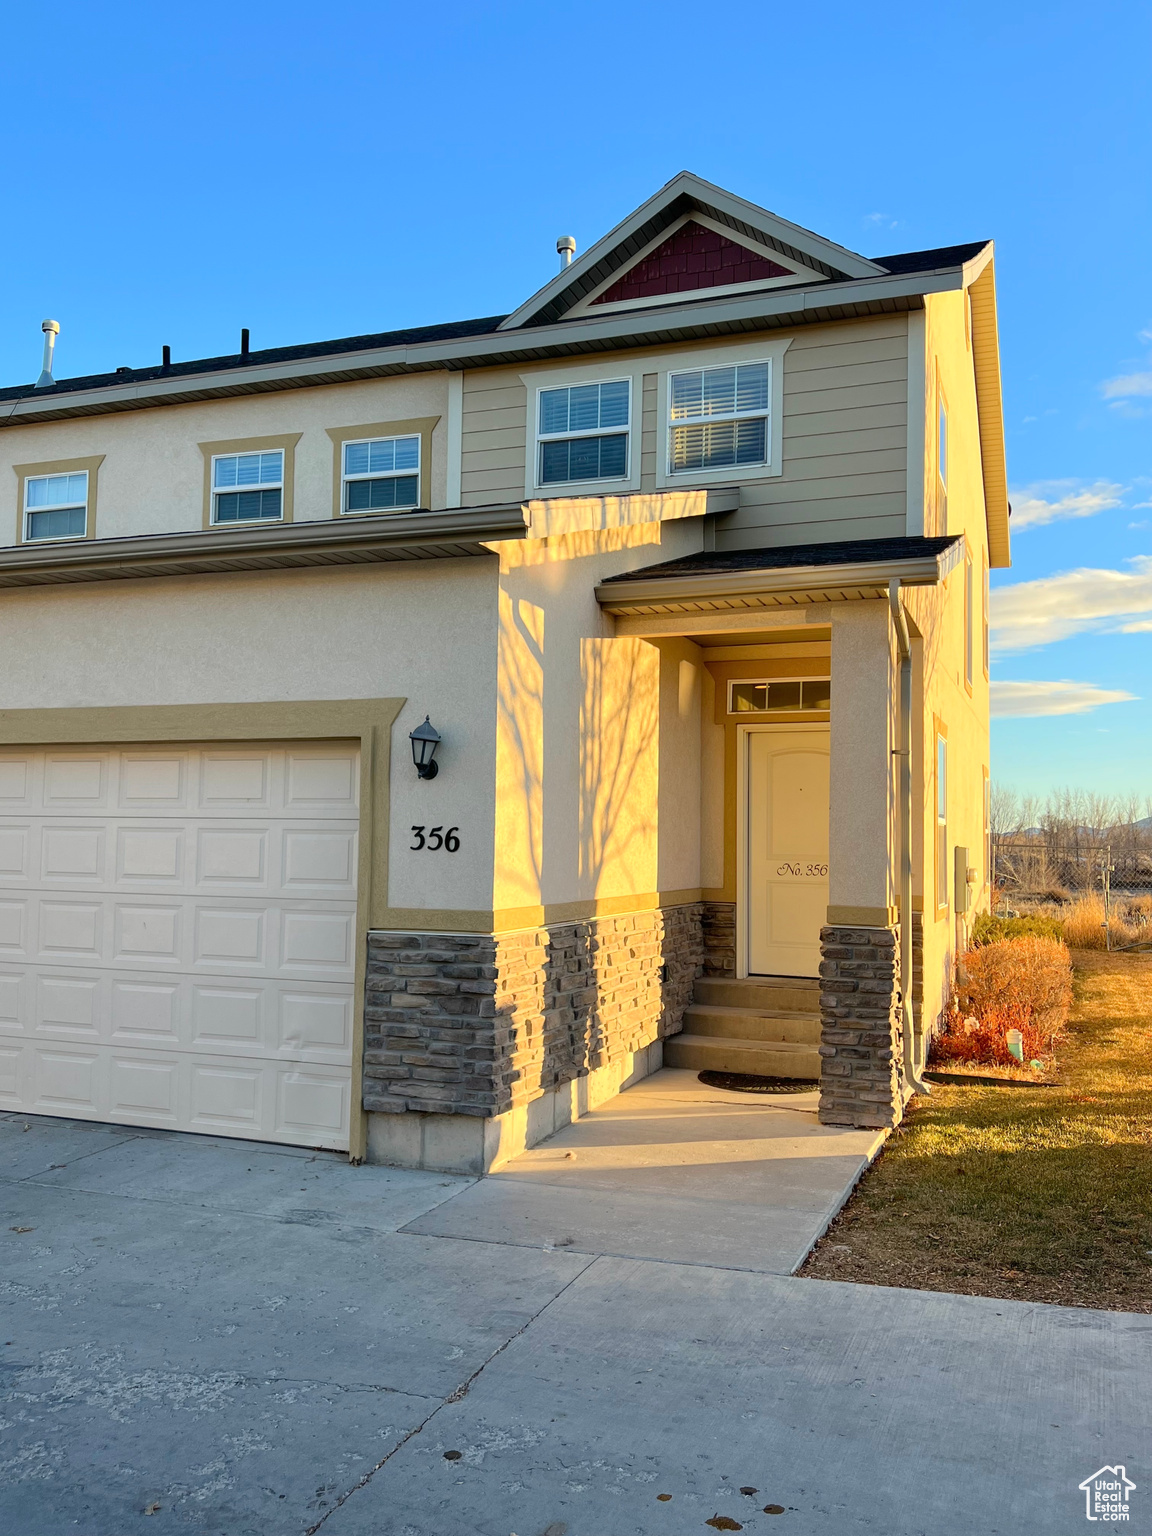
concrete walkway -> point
(677, 1171)
(219, 1338)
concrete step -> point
(793, 994)
(752, 1023)
(763, 1058)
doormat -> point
(749, 1082)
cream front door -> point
(786, 850)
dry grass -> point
(1083, 921)
(1030, 1195)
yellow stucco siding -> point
(948, 699)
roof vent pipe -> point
(51, 329)
(565, 249)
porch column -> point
(860, 1080)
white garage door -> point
(177, 937)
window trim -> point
(414, 426)
(25, 472)
(263, 485)
(802, 710)
(969, 623)
(686, 361)
(590, 373)
(285, 443)
(941, 871)
(570, 436)
(941, 479)
(984, 615)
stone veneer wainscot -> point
(478, 1045)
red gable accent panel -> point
(694, 257)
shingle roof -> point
(930, 261)
(410, 337)
(787, 556)
(899, 265)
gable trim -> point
(682, 194)
(801, 272)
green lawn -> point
(1038, 1194)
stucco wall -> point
(423, 631)
(152, 477)
(597, 734)
(940, 654)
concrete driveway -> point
(245, 1339)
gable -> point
(692, 258)
(691, 240)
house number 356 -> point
(432, 840)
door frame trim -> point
(366, 721)
(743, 733)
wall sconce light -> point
(425, 739)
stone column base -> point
(861, 1078)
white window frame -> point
(388, 474)
(567, 378)
(231, 490)
(942, 873)
(771, 353)
(64, 506)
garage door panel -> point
(71, 1082)
(15, 853)
(69, 929)
(12, 1093)
(69, 1002)
(143, 1088)
(13, 1001)
(321, 784)
(15, 922)
(16, 773)
(311, 1105)
(153, 781)
(152, 855)
(145, 1011)
(229, 1097)
(178, 937)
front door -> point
(786, 849)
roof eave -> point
(774, 588)
(461, 532)
(980, 280)
(775, 308)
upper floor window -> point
(718, 417)
(247, 487)
(56, 506)
(582, 432)
(381, 474)
(941, 465)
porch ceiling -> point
(786, 577)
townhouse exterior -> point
(685, 562)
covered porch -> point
(810, 740)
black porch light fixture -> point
(425, 739)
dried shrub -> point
(1023, 984)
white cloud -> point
(1126, 385)
(1043, 503)
(1062, 698)
(1141, 627)
(1054, 608)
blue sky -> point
(174, 173)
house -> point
(685, 563)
